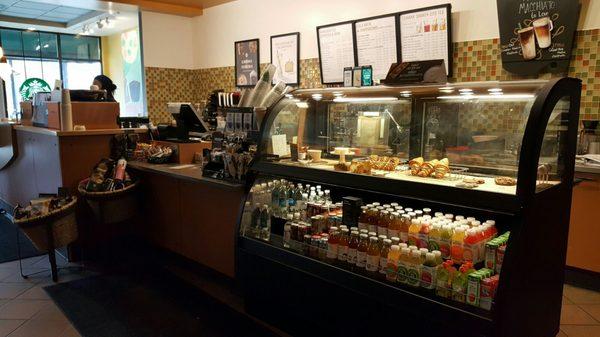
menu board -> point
(336, 51)
(376, 44)
(425, 35)
(537, 34)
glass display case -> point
(470, 182)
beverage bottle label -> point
(382, 231)
(473, 291)
(352, 255)
(361, 259)
(423, 241)
(372, 263)
(363, 225)
(428, 277)
(470, 252)
(445, 248)
(342, 253)
(382, 265)
(392, 272)
(332, 250)
(433, 245)
(404, 237)
(413, 277)
(392, 233)
(372, 228)
(490, 258)
(442, 288)
(402, 272)
(413, 240)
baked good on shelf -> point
(415, 165)
(384, 163)
(360, 166)
(428, 168)
(505, 181)
(441, 169)
(474, 180)
(345, 167)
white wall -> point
(219, 27)
(168, 41)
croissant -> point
(428, 168)
(415, 165)
(441, 169)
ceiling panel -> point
(34, 5)
(31, 9)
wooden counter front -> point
(190, 215)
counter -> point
(188, 214)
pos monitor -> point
(188, 120)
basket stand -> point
(54, 268)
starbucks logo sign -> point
(32, 86)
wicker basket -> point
(62, 222)
(112, 206)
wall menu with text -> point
(336, 51)
(376, 44)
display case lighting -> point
(490, 96)
(495, 90)
(363, 99)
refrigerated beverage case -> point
(383, 256)
(392, 263)
(246, 218)
(457, 248)
(413, 232)
(361, 252)
(372, 265)
(255, 224)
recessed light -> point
(446, 89)
(406, 92)
(496, 93)
(495, 90)
(30, 29)
(465, 90)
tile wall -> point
(473, 61)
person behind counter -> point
(104, 82)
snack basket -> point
(62, 222)
(111, 206)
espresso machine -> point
(589, 139)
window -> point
(74, 59)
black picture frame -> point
(350, 22)
(448, 8)
(297, 61)
(256, 66)
(397, 22)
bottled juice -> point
(481, 241)
(438, 257)
(470, 247)
(434, 237)
(344, 242)
(372, 265)
(445, 241)
(423, 252)
(392, 263)
(413, 232)
(375, 220)
(404, 224)
(413, 278)
(395, 240)
(372, 234)
(394, 226)
(493, 232)
(352, 246)
(424, 235)
(383, 223)
(458, 239)
(428, 272)
(361, 252)
(363, 218)
(459, 282)
(332, 245)
(403, 265)
(445, 273)
(383, 257)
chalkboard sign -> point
(537, 35)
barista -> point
(104, 82)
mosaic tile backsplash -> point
(473, 61)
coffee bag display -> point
(537, 35)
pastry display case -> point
(463, 188)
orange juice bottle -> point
(372, 265)
(413, 232)
(404, 224)
(394, 227)
(403, 264)
(392, 263)
(457, 248)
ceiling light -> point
(30, 29)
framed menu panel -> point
(537, 36)
(426, 34)
(285, 55)
(377, 43)
(336, 51)
(247, 63)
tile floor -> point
(26, 310)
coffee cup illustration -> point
(527, 39)
(543, 28)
